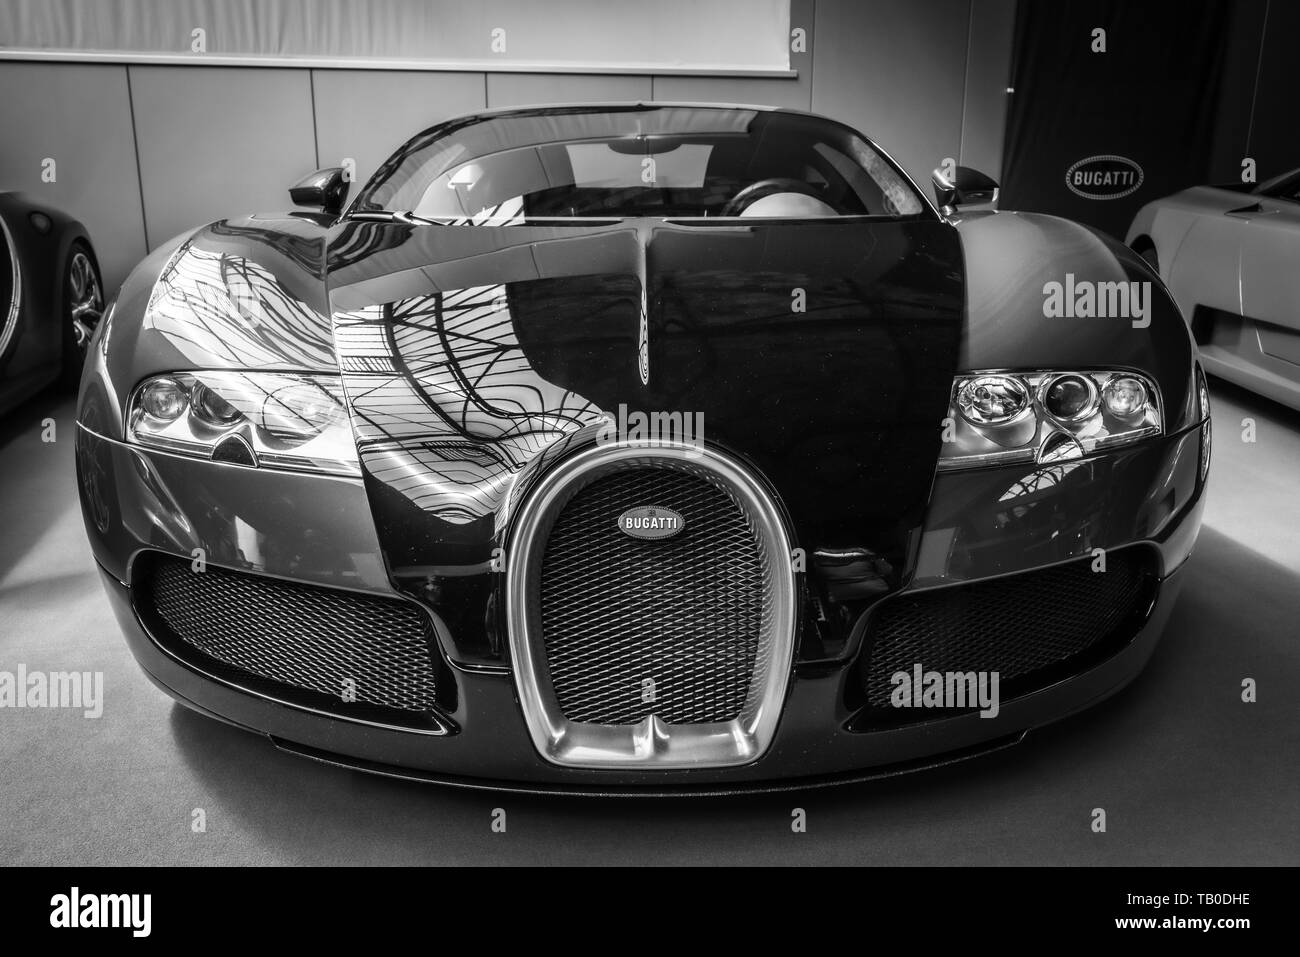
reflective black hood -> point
(821, 353)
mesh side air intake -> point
(671, 627)
(1029, 628)
(352, 648)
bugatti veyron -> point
(641, 447)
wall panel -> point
(895, 69)
(219, 141)
(526, 89)
(367, 114)
(79, 116)
(750, 91)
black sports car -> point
(51, 297)
(642, 447)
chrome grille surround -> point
(651, 742)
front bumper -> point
(980, 524)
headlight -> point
(1203, 396)
(992, 400)
(1126, 396)
(211, 409)
(299, 411)
(271, 420)
(163, 399)
(1070, 397)
(996, 418)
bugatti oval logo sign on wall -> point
(651, 522)
(1104, 177)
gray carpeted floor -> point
(1186, 772)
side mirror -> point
(325, 189)
(966, 187)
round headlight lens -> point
(163, 399)
(1125, 396)
(992, 399)
(211, 409)
(1070, 397)
(299, 411)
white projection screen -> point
(707, 37)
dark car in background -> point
(51, 297)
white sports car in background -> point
(1231, 257)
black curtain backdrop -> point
(1152, 97)
(1274, 127)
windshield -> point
(621, 162)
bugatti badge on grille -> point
(651, 522)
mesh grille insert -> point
(684, 612)
(1023, 626)
(309, 638)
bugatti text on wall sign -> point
(1104, 177)
(651, 522)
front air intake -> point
(1031, 628)
(300, 643)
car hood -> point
(821, 353)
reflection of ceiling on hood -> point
(222, 306)
(445, 405)
(453, 386)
